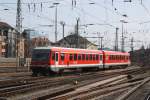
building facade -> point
(7, 40)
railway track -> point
(56, 85)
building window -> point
(3, 46)
(3, 54)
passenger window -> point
(75, 56)
(90, 56)
(56, 57)
(96, 57)
(79, 56)
(83, 57)
(62, 56)
(101, 57)
(93, 57)
(71, 57)
(53, 56)
(87, 57)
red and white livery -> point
(56, 59)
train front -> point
(40, 61)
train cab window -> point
(101, 57)
(75, 56)
(62, 56)
(96, 57)
(79, 56)
(53, 56)
(83, 56)
(90, 56)
(87, 57)
(71, 57)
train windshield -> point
(40, 55)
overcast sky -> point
(103, 14)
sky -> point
(104, 15)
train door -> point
(101, 61)
(56, 59)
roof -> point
(73, 50)
(71, 39)
(4, 25)
(116, 52)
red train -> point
(56, 59)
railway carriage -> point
(56, 59)
(113, 58)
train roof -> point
(116, 52)
(69, 49)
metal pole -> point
(18, 33)
(99, 39)
(122, 44)
(56, 24)
(77, 32)
(132, 44)
(63, 29)
(116, 40)
(101, 43)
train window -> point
(62, 56)
(90, 56)
(79, 56)
(83, 56)
(56, 57)
(119, 57)
(53, 56)
(87, 57)
(71, 57)
(127, 57)
(75, 56)
(110, 57)
(96, 57)
(93, 57)
(101, 57)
